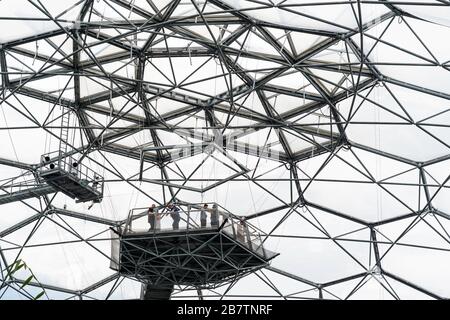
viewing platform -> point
(70, 177)
(201, 256)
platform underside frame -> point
(198, 258)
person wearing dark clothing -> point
(203, 215)
(214, 216)
(152, 216)
(175, 214)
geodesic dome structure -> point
(324, 124)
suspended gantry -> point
(56, 172)
(314, 109)
(194, 255)
(64, 173)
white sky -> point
(390, 118)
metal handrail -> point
(65, 162)
(228, 222)
(19, 183)
(132, 216)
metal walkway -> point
(28, 193)
(72, 178)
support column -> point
(156, 292)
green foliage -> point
(26, 282)
(18, 265)
(39, 295)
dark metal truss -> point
(140, 42)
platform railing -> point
(232, 225)
(68, 164)
(188, 217)
(19, 183)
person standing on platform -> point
(175, 214)
(203, 215)
(214, 216)
(152, 216)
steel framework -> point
(115, 69)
